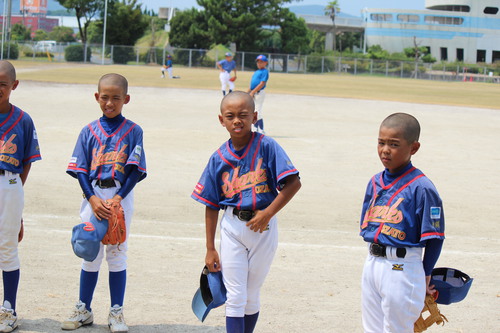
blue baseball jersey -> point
(248, 179)
(18, 141)
(168, 63)
(404, 213)
(259, 76)
(103, 156)
(228, 66)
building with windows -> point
(452, 30)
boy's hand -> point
(259, 222)
(100, 208)
(430, 287)
(212, 261)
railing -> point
(284, 63)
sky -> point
(352, 7)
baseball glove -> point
(117, 231)
(435, 316)
(232, 79)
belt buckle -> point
(245, 215)
(377, 250)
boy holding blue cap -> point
(257, 86)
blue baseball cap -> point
(452, 285)
(86, 238)
(169, 56)
(210, 295)
(229, 54)
(261, 57)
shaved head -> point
(407, 124)
(113, 79)
(239, 96)
(7, 68)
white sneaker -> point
(80, 317)
(162, 76)
(116, 322)
(8, 321)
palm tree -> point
(332, 9)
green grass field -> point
(474, 94)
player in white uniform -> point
(251, 178)
(18, 149)
(108, 161)
(226, 66)
(402, 219)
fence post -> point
(137, 56)
(163, 57)
(355, 66)
(386, 67)
(402, 68)
(305, 65)
(190, 57)
(322, 64)
(371, 66)
(216, 57)
(112, 52)
(287, 62)
(242, 61)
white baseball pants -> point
(246, 258)
(224, 81)
(11, 212)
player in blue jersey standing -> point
(226, 66)
(257, 86)
(167, 67)
(108, 161)
(402, 220)
(251, 178)
(18, 149)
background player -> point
(243, 177)
(18, 149)
(168, 67)
(257, 86)
(108, 161)
(402, 214)
(226, 66)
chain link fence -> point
(283, 63)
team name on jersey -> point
(99, 157)
(233, 186)
(384, 214)
(9, 147)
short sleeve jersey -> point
(18, 141)
(107, 156)
(250, 181)
(259, 76)
(404, 213)
(228, 66)
(168, 63)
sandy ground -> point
(314, 283)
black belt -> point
(106, 183)
(244, 215)
(378, 250)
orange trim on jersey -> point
(11, 112)
(14, 124)
(441, 234)
(224, 159)
(246, 150)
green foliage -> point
(125, 23)
(75, 53)
(189, 30)
(85, 10)
(428, 58)
(377, 52)
(40, 35)
(39, 54)
(20, 32)
(294, 33)
(62, 34)
(10, 51)
(123, 54)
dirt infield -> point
(314, 283)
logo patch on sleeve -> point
(435, 212)
(199, 188)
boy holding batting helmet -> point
(251, 178)
(402, 221)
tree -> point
(40, 35)
(20, 32)
(84, 10)
(332, 9)
(189, 30)
(295, 35)
(239, 21)
(62, 34)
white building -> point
(453, 30)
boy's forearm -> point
(26, 171)
(211, 217)
(291, 187)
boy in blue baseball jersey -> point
(251, 178)
(257, 86)
(18, 149)
(402, 221)
(167, 67)
(108, 161)
(226, 66)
